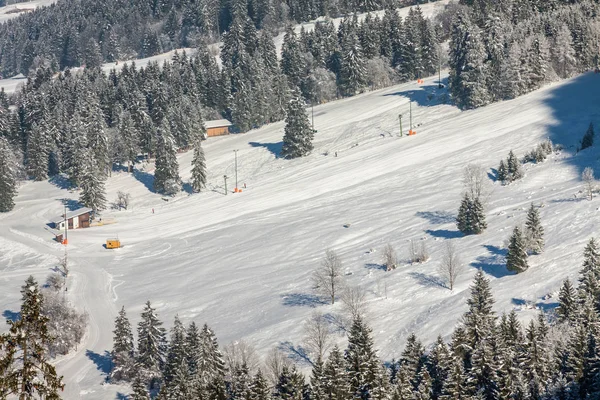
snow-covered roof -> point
(71, 214)
(217, 123)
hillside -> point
(242, 262)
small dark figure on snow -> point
(153, 211)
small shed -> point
(79, 218)
(217, 127)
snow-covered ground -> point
(242, 262)
(14, 10)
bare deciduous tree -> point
(474, 179)
(451, 266)
(66, 325)
(418, 253)
(275, 362)
(328, 278)
(238, 353)
(123, 200)
(390, 260)
(588, 179)
(317, 335)
(355, 302)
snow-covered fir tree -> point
(140, 390)
(198, 168)
(176, 353)
(166, 173)
(516, 257)
(502, 173)
(467, 68)
(290, 385)
(413, 360)
(361, 360)
(297, 141)
(93, 194)
(337, 385)
(123, 362)
(26, 371)
(438, 364)
(513, 167)
(8, 176)
(534, 231)
(151, 345)
(567, 302)
(471, 216)
(352, 76)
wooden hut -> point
(217, 127)
(79, 218)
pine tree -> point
(464, 219)
(317, 381)
(198, 168)
(123, 367)
(591, 258)
(140, 391)
(478, 222)
(516, 258)
(38, 151)
(513, 167)
(166, 174)
(297, 141)
(176, 354)
(438, 365)
(290, 385)
(567, 303)
(8, 177)
(479, 320)
(413, 360)
(361, 360)
(26, 371)
(93, 194)
(260, 388)
(337, 384)
(151, 345)
(588, 138)
(534, 231)
(352, 78)
(455, 387)
(502, 174)
(471, 216)
(467, 70)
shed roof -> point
(217, 123)
(71, 214)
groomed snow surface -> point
(14, 10)
(242, 262)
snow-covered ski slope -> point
(14, 10)
(242, 262)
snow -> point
(242, 262)
(14, 10)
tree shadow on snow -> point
(427, 280)
(301, 300)
(427, 96)
(121, 396)
(61, 182)
(376, 266)
(572, 110)
(103, 361)
(437, 217)
(11, 315)
(145, 178)
(296, 353)
(530, 304)
(493, 174)
(187, 187)
(274, 148)
(568, 200)
(444, 233)
(493, 264)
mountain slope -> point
(243, 262)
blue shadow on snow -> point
(11, 315)
(274, 148)
(103, 361)
(445, 233)
(493, 264)
(437, 217)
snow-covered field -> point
(14, 10)
(242, 262)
